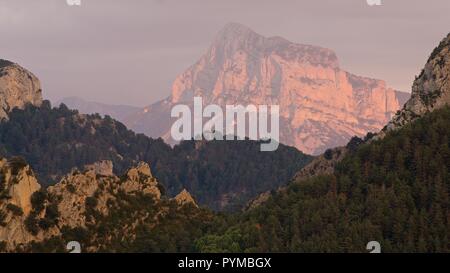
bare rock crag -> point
(17, 184)
(18, 87)
(431, 89)
(185, 198)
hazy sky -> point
(129, 52)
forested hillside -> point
(394, 191)
(220, 174)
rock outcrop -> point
(431, 89)
(17, 185)
(321, 105)
(28, 213)
(184, 198)
(75, 188)
(18, 87)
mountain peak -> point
(234, 37)
(239, 31)
(321, 105)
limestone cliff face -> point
(28, 213)
(17, 88)
(431, 89)
(99, 182)
(321, 105)
(17, 184)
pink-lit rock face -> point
(321, 106)
(18, 87)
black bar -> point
(225, 262)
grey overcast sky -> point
(129, 52)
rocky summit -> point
(321, 105)
(18, 87)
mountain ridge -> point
(116, 111)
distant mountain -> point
(321, 105)
(18, 87)
(119, 112)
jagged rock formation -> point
(29, 214)
(321, 105)
(431, 89)
(18, 87)
(17, 184)
(184, 198)
(75, 188)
